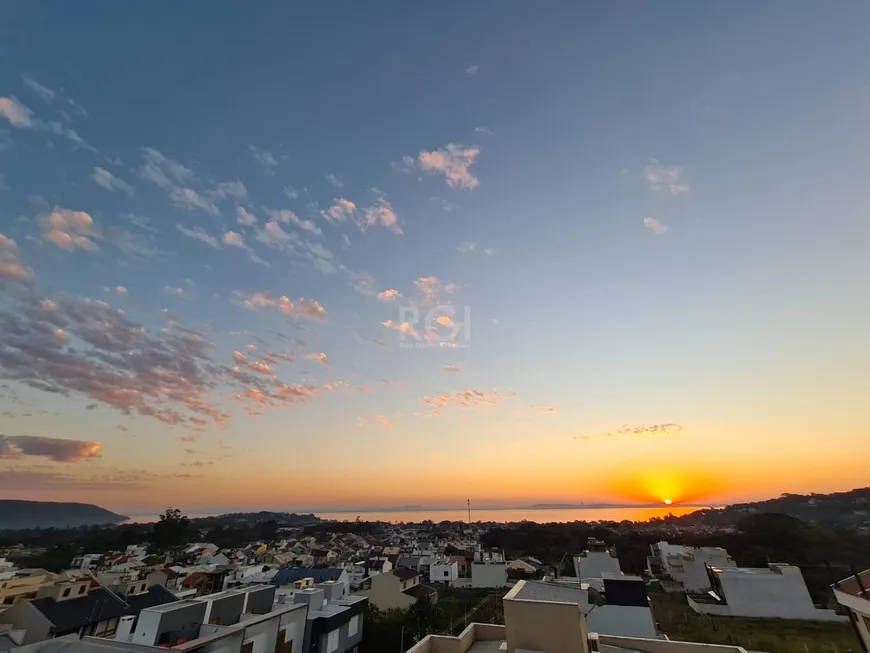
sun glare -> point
(668, 502)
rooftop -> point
(857, 585)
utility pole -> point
(469, 512)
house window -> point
(9, 600)
(353, 626)
(446, 573)
(332, 641)
(82, 589)
(66, 591)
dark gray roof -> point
(288, 575)
(97, 605)
(403, 573)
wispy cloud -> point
(380, 214)
(388, 295)
(235, 239)
(657, 430)
(665, 179)
(402, 327)
(467, 246)
(42, 91)
(654, 225)
(175, 291)
(291, 192)
(301, 307)
(11, 267)
(340, 210)
(198, 233)
(484, 130)
(319, 357)
(245, 217)
(264, 158)
(472, 69)
(289, 217)
(337, 182)
(452, 368)
(181, 184)
(21, 117)
(453, 161)
(107, 180)
(462, 399)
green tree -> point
(172, 529)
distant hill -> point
(850, 508)
(16, 515)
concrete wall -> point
(488, 574)
(544, 626)
(224, 608)
(263, 635)
(293, 624)
(441, 572)
(183, 620)
(385, 593)
(24, 615)
(666, 646)
(260, 600)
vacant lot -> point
(677, 620)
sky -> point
(333, 255)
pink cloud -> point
(340, 210)
(451, 368)
(302, 307)
(388, 295)
(320, 358)
(402, 327)
(452, 161)
(69, 229)
(11, 267)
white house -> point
(779, 591)
(488, 574)
(688, 565)
(597, 561)
(443, 570)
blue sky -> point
(655, 214)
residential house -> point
(377, 566)
(778, 591)
(462, 564)
(622, 608)
(489, 574)
(597, 561)
(77, 608)
(556, 624)
(525, 567)
(334, 620)
(86, 561)
(853, 593)
(287, 576)
(16, 587)
(399, 588)
(687, 565)
(443, 571)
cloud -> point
(69, 229)
(16, 113)
(273, 235)
(302, 307)
(57, 449)
(542, 409)
(107, 180)
(402, 327)
(337, 182)
(363, 283)
(233, 239)
(319, 357)
(340, 210)
(430, 291)
(245, 217)
(178, 181)
(176, 291)
(462, 399)
(451, 368)
(21, 117)
(11, 267)
(264, 158)
(453, 161)
(198, 233)
(42, 91)
(655, 226)
(665, 179)
(291, 192)
(121, 290)
(472, 69)
(166, 374)
(288, 217)
(191, 200)
(467, 246)
(484, 130)
(380, 214)
(663, 430)
(388, 295)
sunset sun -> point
(668, 502)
